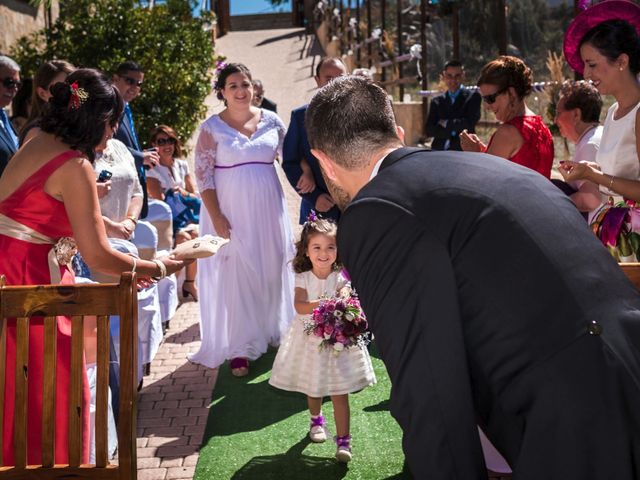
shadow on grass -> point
(247, 404)
(274, 466)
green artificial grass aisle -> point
(255, 431)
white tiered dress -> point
(301, 367)
(246, 289)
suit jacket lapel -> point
(5, 138)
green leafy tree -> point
(173, 47)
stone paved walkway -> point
(173, 404)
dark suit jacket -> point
(269, 105)
(295, 148)
(480, 281)
(464, 113)
(7, 150)
(125, 135)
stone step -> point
(264, 21)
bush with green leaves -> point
(174, 48)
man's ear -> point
(327, 165)
(400, 133)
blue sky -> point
(247, 7)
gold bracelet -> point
(133, 219)
(611, 182)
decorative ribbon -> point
(343, 441)
(62, 250)
(317, 421)
(243, 164)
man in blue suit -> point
(456, 110)
(9, 86)
(296, 147)
(128, 80)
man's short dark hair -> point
(583, 96)
(349, 120)
(453, 63)
(128, 66)
(324, 60)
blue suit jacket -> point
(295, 148)
(7, 150)
(125, 135)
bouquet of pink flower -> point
(340, 322)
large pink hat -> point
(592, 16)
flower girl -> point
(301, 364)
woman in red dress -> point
(47, 195)
(523, 136)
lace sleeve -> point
(205, 159)
(282, 130)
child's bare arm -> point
(301, 302)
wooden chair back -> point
(632, 271)
(75, 301)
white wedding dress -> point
(246, 289)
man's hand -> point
(150, 158)
(103, 188)
(324, 203)
(306, 184)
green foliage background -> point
(173, 47)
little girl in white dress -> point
(300, 365)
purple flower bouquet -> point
(340, 323)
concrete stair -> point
(265, 21)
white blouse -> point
(170, 177)
(125, 184)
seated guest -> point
(9, 86)
(259, 100)
(172, 177)
(523, 136)
(577, 116)
(47, 75)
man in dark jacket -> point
(491, 302)
(128, 79)
(296, 148)
(454, 111)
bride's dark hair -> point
(82, 126)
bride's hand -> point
(222, 226)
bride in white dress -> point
(246, 299)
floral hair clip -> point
(220, 66)
(312, 217)
(78, 96)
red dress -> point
(536, 152)
(28, 264)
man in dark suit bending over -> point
(454, 111)
(490, 300)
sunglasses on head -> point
(11, 83)
(491, 99)
(132, 81)
(161, 142)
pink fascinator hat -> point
(601, 12)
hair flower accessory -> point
(312, 217)
(78, 96)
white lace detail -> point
(205, 158)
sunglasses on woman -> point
(491, 99)
(161, 142)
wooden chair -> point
(632, 271)
(75, 301)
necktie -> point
(127, 111)
(6, 124)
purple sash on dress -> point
(242, 164)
